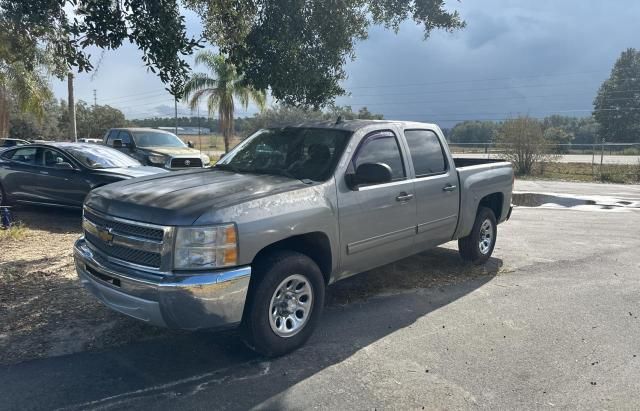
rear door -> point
(436, 187)
(20, 174)
(377, 222)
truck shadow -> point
(49, 219)
(188, 370)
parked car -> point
(12, 142)
(256, 239)
(156, 148)
(61, 174)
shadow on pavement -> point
(216, 370)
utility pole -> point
(175, 102)
(199, 138)
(72, 108)
(93, 113)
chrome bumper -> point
(206, 300)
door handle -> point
(404, 197)
(46, 173)
(449, 187)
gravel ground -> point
(44, 311)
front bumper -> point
(207, 300)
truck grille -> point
(155, 234)
(130, 242)
(186, 162)
(129, 255)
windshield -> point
(101, 157)
(156, 139)
(302, 153)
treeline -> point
(557, 130)
(91, 122)
(273, 116)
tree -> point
(220, 91)
(21, 88)
(65, 28)
(28, 126)
(524, 143)
(474, 132)
(298, 48)
(558, 138)
(617, 105)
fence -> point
(631, 149)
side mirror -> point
(370, 173)
(190, 144)
(117, 143)
(63, 166)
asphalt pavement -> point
(556, 326)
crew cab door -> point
(436, 187)
(377, 221)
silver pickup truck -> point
(255, 240)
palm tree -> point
(27, 89)
(220, 91)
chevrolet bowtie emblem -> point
(106, 235)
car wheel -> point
(478, 246)
(285, 302)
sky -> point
(515, 57)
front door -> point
(377, 222)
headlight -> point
(199, 248)
(155, 159)
(205, 160)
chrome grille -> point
(186, 162)
(128, 242)
(155, 234)
(129, 255)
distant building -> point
(186, 130)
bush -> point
(524, 144)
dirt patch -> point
(44, 310)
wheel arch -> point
(315, 245)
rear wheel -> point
(285, 301)
(478, 246)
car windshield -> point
(295, 152)
(156, 139)
(101, 157)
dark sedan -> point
(62, 174)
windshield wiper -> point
(226, 167)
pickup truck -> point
(156, 148)
(255, 240)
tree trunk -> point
(4, 113)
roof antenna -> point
(339, 120)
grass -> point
(610, 173)
(16, 232)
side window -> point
(125, 137)
(382, 148)
(23, 155)
(426, 152)
(113, 134)
(51, 157)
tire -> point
(478, 246)
(274, 323)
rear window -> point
(426, 152)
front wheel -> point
(478, 246)
(284, 304)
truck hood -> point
(179, 198)
(173, 151)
